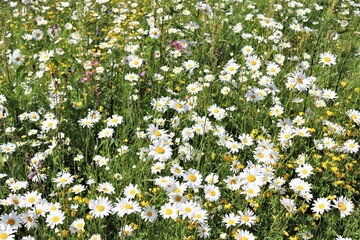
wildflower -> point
(77, 225)
(11, 219)
(190, 65)
(321, 205)
(126, 206)
(160, 151)
(244, 235)
(304, 170)
(106, 187)
(199, 215)
(289, 204)
(154, 33)
(193, 178)
(327, 59)
(149, 214)
(100, 207)
(350, 146)
(131, 191)
(7, 148)
(55, 218)
(168, 211)
(106, 133)
(49, 124)
(31, 198)
(212, 193)
(63, 178)
(247, 217)
(37, 34)
(345, 206)
(7, 232)
(231, 220)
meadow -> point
(179, 119)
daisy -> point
(7, 148)
(77, 225)
(272, 69)
(160, 151)
(217, 112)
(100, 207)
(212, 178)
(131, 191)
(149, 214)
(244, 235)
(37, 34)
(327, 59)
(31, 198)
(106, 133)
(212, 193)
(12, 219)
(106, 187)
(135, 62)
(251, 191)
(55, 218)
(126, 206)
(193, 178)
(345, 206)
(350, 146)
(78, 188)
(30, 219)
(289, 204)
(231, 220)
(168, 211)
(187, 209)
(253, 62)
(321, 205)
(154, 33)
(7, 232)
(17, 58)
(199, 215)
(49, 124)
(304, 170)
(63, 178)
(299, 186)
(247, 50)
(354, 115)
(248, 217)
(203, 230)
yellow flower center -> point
(157, 133)
(300, 188)
(250, 191)
(251, 178)
(192, 177)
(168, 212)
(212, 193)
(100, 208)
(246, 218)
(342, 207)
(159, 150)
(55, 219)
(62, 180)
(128, 206)
(327, 59)
(231, 221)
(3, 236)
(80, 225)
(321, 206)
(31, 199)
